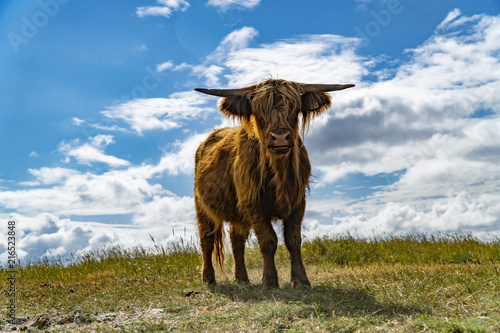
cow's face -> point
(274, 119)
(271, 111)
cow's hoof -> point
(209, 279)
(303, 283)
(243, 282)
(270, 285)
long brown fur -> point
(240, 180)
(219, 247)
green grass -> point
(418, 283)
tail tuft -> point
(219, 247)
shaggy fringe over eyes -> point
(273, 95)
(264, 97)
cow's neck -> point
(284, 178)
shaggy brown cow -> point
(257, 173)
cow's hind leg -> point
(239, 236)
(207, 230)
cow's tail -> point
(219, 246)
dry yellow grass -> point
(442, 287)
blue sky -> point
(99, 121)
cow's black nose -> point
(280, 137)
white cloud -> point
(180, 212)
(166, 10)
(91, 152)
(420, 122)
(181, 161)
(78, 121)
(76, 193)
(49, 176)
(64, 192)
(175, 4)
(236, 40)
(425, 106)
(103, 126)
(451, 16)
(46, 235)
(479, 214)
(214, 66)
(229, 4)
(160, 113)
(309, 58)
(154, 11)
(164, 66)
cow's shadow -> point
(328, 300)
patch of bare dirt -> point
(78, 322)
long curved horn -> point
(222, 92)
(325, 87)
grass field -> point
(419, 283)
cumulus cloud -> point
(77, 193)
(237, 4)
(159, 113)
(181, 159)
(91, 152)
(449, 18)
(236, 40)
(45, 216)
(479, 214)
(309, 58)
(422, 124)
(180, 212)
(164, 66)
(49, 176)
(166, 8)
(214, 66)
(427, 105)
(46, 235)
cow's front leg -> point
(268, 242)
(293, 241)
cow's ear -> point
(314, 103)
(238, 107)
